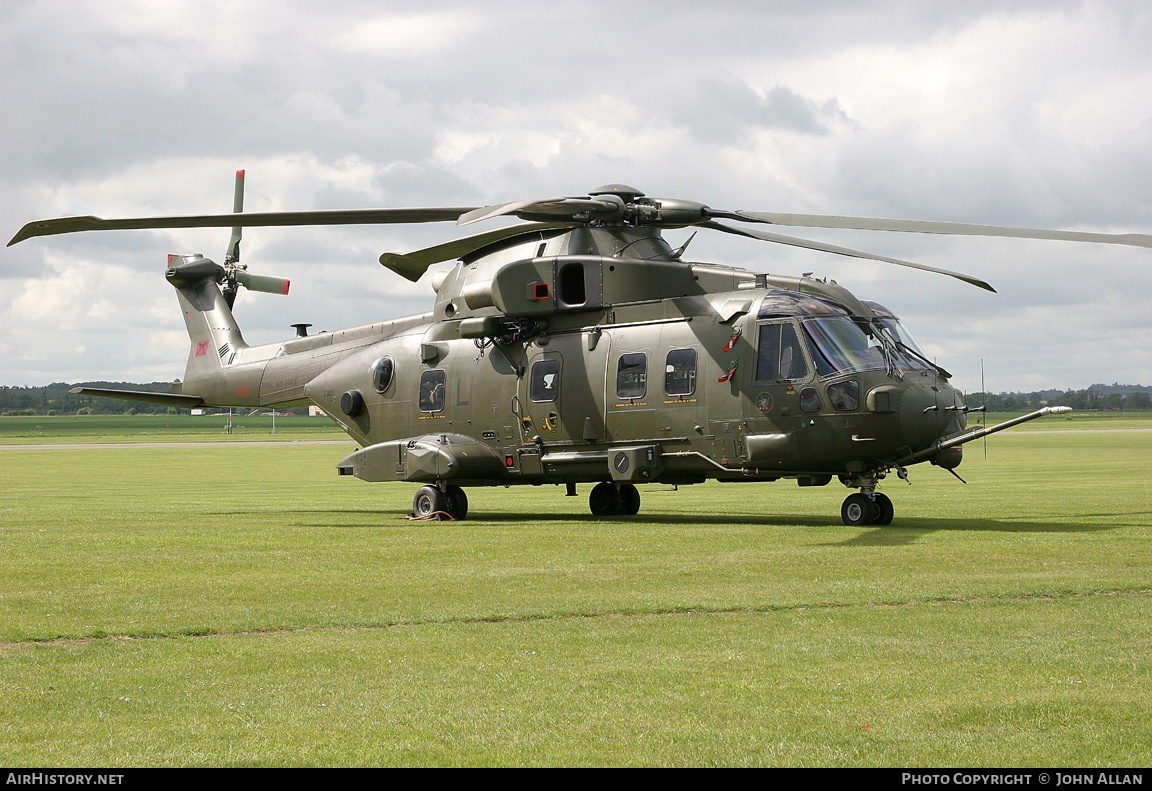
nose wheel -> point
(861, 509)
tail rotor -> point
(236, 274)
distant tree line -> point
(54, 399)
(1105, 398)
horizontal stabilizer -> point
(167, 399)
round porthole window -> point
(382, 372)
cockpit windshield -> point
(897, 330)
(839, 345)
(842, 345)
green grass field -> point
(234, 604)
(62, 429)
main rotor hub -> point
(622, 191)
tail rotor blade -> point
(262, 283)
(233, 255)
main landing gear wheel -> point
(605, 500)
(429, 503)
(629, 499)
(457, 501)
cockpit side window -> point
(780, 356)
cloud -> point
(413, 35)
(1031, 113)
(720, 108)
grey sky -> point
(1023, 113)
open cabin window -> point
(432, 390)
(680, 372)
(779, 355)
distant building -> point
(315, 411)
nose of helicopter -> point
(931, 411)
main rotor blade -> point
(831, 248)
(928, 226)
(500, 210)
(252, 219)
(545, 207)
(413, 265)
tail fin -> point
(215, 345)
(217, 370)
(215, 338)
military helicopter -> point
(578, 347)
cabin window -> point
(383, 371)
(432, 390)
(845, 396)
(680, 372)
(780, 356)
(544, 384)
(632, 375)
